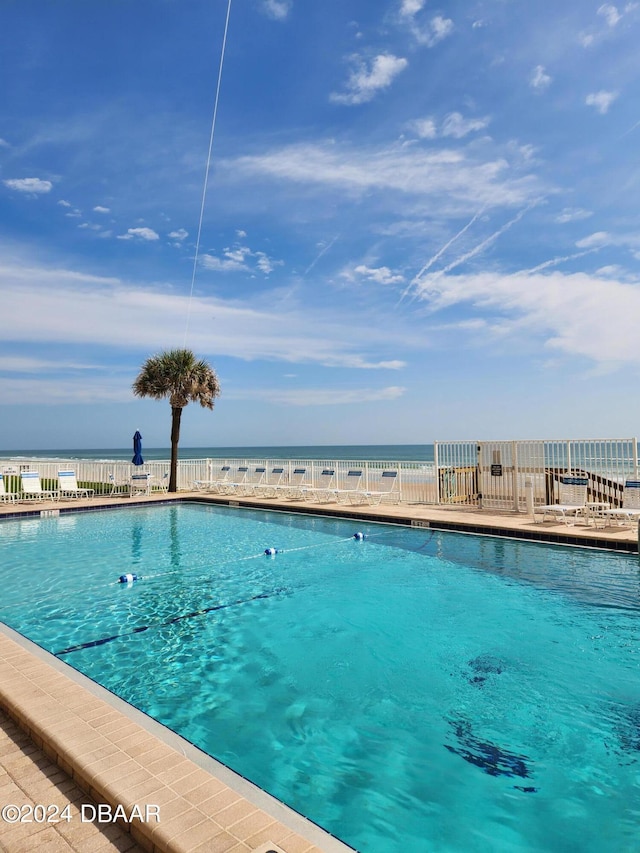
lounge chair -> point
(236, 482)
(353, 492)
(254, 481)
(140, 484)
(5, 496)
(68, 486)
(572, 500)
(32, 489)
(629, 512)
(215, 483)
(387, 490)
(322, 490)
(269, 487)
(293, 489)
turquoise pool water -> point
(412, 692)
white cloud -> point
(454, 180)
(4, 143)
(409, 8)
(34, 186)
(457, 126)
(365, 81)
(237, 260)
(147, 234)
(64, 203)
(99, 209)
(180, 234)
(381, 275)
(539, 78)
(228, 263)
(570, 214)
(577, 314)
(601, 100)
(277, 9)
(321, 396)
(117, 315)
(425, 128)
(596, 240)
(610, 14)
(430, 34)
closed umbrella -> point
(137, 449)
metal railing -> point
(495, 474)
(485, 474)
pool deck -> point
(64, 740)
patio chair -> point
(140, 484)
(235, 483)
(119, 486)
(322, 491)
(215, 482)
(293, 490)
(254, 481)
(387, 490)
(272, 482)
(353, 489)
(68, 486)
(572, 500)
(629, 512)
(32, 488)
(5, 496)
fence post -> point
(528, 492)
(435, 465)
(514, 476)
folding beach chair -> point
(254, 481)
(322, 490)
(236, 481)
(272, 482)
(140, 484)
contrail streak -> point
(315, 261)
(441, 252)
(555, 261)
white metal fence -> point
(416, 480)
(494, 474)
(489, 474)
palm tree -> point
(178, 375)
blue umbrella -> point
(137, 449)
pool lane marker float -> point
(359, 536)
(93, 643)
(271, 552)
(128, 578)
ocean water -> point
(372, 452)
(414, 691)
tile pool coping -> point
(119, 756)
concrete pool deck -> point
(93, 748)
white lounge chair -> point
(254, 481)
(140, 484)
(274, 480)
(387, 490)
(323, 489)
(236, 482)
(32, 489)
(293, 489)
(68, 486)
(216, 481)
(572, 500)
(353, 492)
(629, 512)
(5, 496)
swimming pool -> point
(415, 691)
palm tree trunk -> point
(176, 414)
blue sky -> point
(421, 219)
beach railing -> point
(510, 475)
